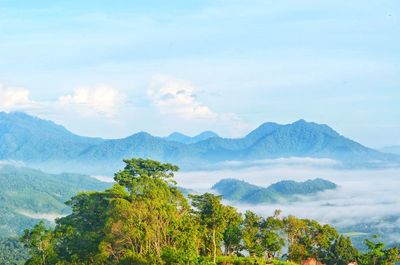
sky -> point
(113, 68)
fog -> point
(51, 217)
(363, 196)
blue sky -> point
(112, 68)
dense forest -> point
(145, 219)
(26, 192)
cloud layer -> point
(364, 196)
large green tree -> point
(152, 218)
(271, 236)
(214, 216)
(252, 234)
(342, 252)
(232, 236)
(39, 241)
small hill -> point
(290, 187)
(241, 191)
(28, 194)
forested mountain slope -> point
(49, 146)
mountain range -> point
(46, 145)
(241, 191)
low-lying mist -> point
(365, 201)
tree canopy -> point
(144, 219)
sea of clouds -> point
(364, 196)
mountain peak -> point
(177, 134)
(312, 126)
(262, 130)
(206, 134)
(301, 121)
(24, 119)
(182, 138)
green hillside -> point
(27, 195)
(238, 190)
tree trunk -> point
(214, 247)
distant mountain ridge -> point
(182, 138)
(49, 146)
(241, 191)
(395, 149)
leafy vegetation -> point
(12, 252)
(145, 219)
(238, 190)
(27, 195)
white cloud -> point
(12, 98)
(103, 100)
(176, 97)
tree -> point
(154, 220)
(251, 234)
(295, 229)
(233, 235)
(138, 170)
(271, 240)
(213, 215)
(143, 218)
(318, 239)
(39, 241)
(342, 252)
(80, 233)
(378, 255)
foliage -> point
(251, 234)
(12, 252)
(234, 260)
(271, 238)
(342, 252)
(39, 241)
(378, 254)
(214, 217)
(145, 219)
